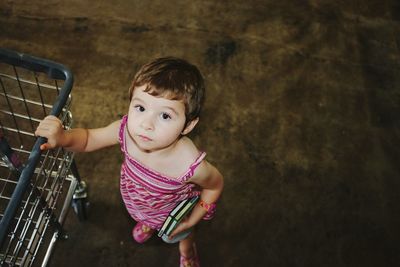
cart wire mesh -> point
(35, 188)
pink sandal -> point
(141, 232)
(192, 261)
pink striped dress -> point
(148, 195)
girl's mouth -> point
(144, 138)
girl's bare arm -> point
(212, 184)
(79, 139)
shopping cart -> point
(36, 188)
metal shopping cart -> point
(36, 189)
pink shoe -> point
(141, 232)
(192, 261)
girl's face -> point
(154, 122)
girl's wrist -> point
(209, 207)
(62, 140)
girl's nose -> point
(147, 124)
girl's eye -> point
(165, 116)
(139, 108)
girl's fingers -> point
(45, 146)
(42, 131)
(52, 118)
(50, 128)
(181, 227)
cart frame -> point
(56, 167)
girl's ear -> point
(189, 127)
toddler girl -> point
(162, 166)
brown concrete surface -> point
(301, 117)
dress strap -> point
(193, 166)
(122, 133)
(198, 161)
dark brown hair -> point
(175, 79)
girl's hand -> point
(51, 128)
(182, 226)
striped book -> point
(177, 214)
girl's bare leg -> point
(186, 246)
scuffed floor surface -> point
(302, 118)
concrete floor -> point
(302, 118)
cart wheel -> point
(80, 207)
